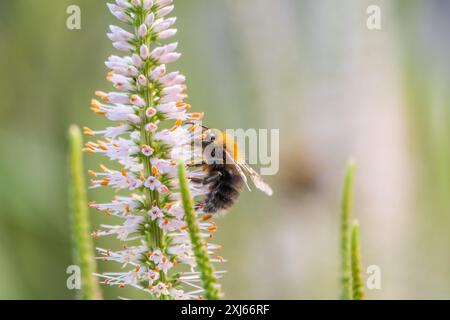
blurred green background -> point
(308, 67)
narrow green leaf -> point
(357, 280)
(346, 212)
(83, 248)
(205, 267)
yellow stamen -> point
(95, 104)
(102, 145)
(194, 127)
(155, 172)
(198, 116)
(88, 131)
(178, 123)
(88, 150)
(102, 95)
(206, 217)
(95, 234)
(104, 168)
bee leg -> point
(196, 164)
(199, 205)
(208, 180)
(212, 178)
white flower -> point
(152, 183)
(150, 112)
(155, 213)
(156, 256)
(147, 4)
(137, 101)
(165, 11)
(178, 294)
(163, 24)
(160, 289)
(176, 211)
(130, 226)
(151, 127)
(118, 34)
(164, 166)
(170, 57)
(143, 30)
(144, 52)
(122, 46)
(136, 60)
(158, 72)
(165, 265)
(147, 150)
(150, 18)
(153, 276)
(142, 80)
(118, 98)
(163, 3)
(162, 189)
(121, 82)
(118, 12)
(167, 34)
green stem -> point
(156, 236)
(83, 247)
(358, 286)
(346, 211)
(199, 246)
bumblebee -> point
(226, 172)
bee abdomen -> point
(222, 196)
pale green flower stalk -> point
(199, 246)
(83, 248)
(346, 212)
(154, 129)
(357, 280)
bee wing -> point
(238, 168)
(256, 178)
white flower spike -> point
(153, 228)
